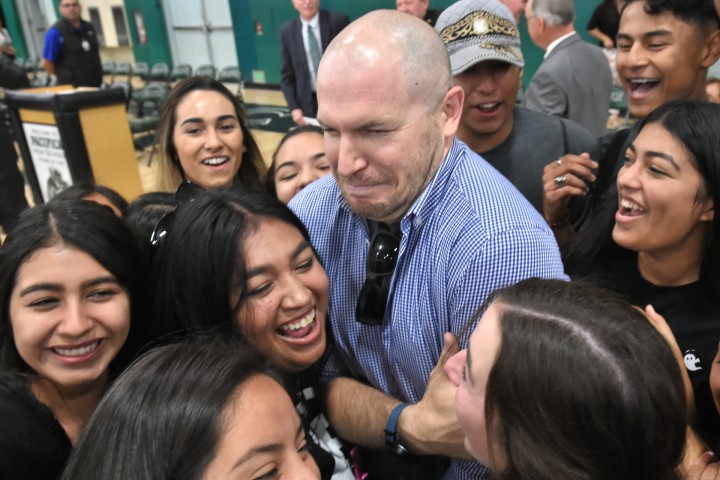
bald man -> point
(415, 230)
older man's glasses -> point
(381, 261)
(185, 193)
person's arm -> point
(359, 413)
(562, 181)
(8, 49)
(298, 116)
(698, 462)
(660, 324)
(51, 50)
(48, 65)
(606, 41)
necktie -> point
(314, 49)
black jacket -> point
(79, 62)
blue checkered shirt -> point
(467, 234)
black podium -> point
(71, 135)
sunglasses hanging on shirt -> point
(381, 261)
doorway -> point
(201, 32)
(34, 25)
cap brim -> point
(462, 60)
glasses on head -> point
(187, 192)
(381, 261)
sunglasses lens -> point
(383, 254)
(370, 308)
(161, 228)
(381, 261)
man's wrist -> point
(393, 441)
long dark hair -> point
(252, 167)
(89, 227)
(162, 418)
(583, 387)
(200, 264)
(82, 190)
(694, 124)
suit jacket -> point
(296, 83)
(573, 82)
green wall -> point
(262, 52)
(14, 27)
(157, 48)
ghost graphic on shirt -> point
(692, 362)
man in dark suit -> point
(574, 81)
(302, 42)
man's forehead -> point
(358, 108)
(361, 114)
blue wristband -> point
(392, 440)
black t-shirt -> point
(606, 18)
(693, 315)
(33, 445)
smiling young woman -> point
(657, 242)
(203, 138)
(241, 264)
(198, 409)
(298, 160)
(70, 279)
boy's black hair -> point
(695, 12)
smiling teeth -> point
(309, 318)
(487, 105)
(632, 206)
(77, 352)
(215, 161)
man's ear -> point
(452, 110)
(541, 25)
(712, 49)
